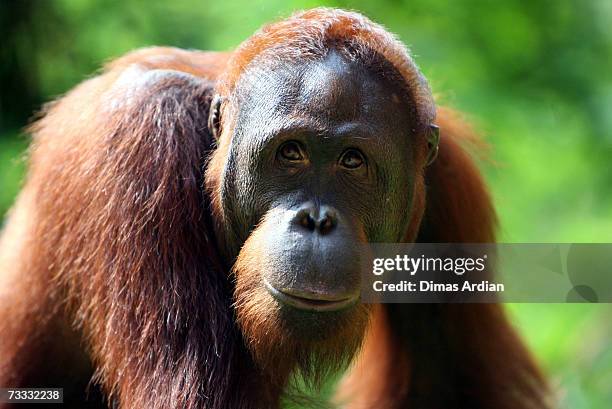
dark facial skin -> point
(321, 159)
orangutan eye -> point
(291, 151)
(352, 159)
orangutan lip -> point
(321, 303)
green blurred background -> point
(535, 77)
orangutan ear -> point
(433, 143)
(214, 117)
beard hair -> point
(290, 345)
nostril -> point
(305, 219)
(308, 222)
(328, 221)
(326, 226)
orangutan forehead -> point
(348, 83)
(341, 52)
(329, 87)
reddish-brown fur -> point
(111, 245)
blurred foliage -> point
(535, 77)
